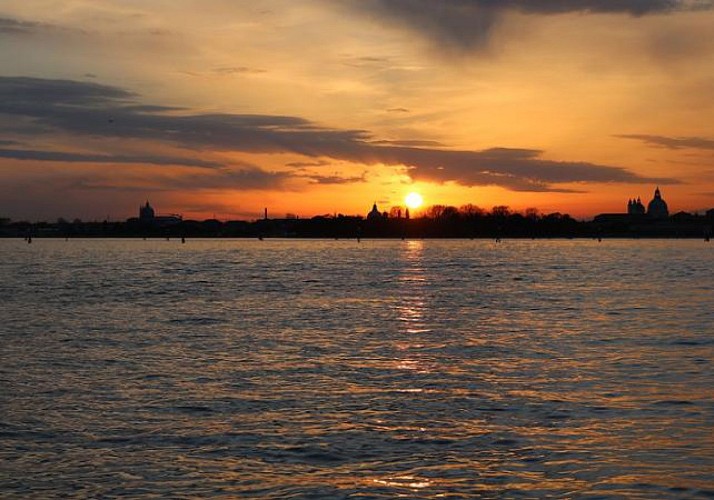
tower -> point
(635, 207)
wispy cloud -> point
(672, 142)
(237, 70)
(226, 71)
(336, 178)
(516, 169)
(367, 62)
(466, 25)
(61, 156)
(90, 109)
(245, 179)
(408, 142)
(17, 27)
(304, 164)
(20, 27)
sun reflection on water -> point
(410, 482)
(413, 285)
(411, 310)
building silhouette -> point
(655, 221)
(146, 213)
(446, 222)
(147, 216)
(375, 214)
(657, 208)
(635, 207)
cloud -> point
(367, 62)
(61, 156)
(672, 142)
(246, 179)
(515, 169)
(632, 7)
(27, 96)
(226, 71)
(336, 179)
(90, 109)
(17, 27)
(303, 164)
(466, 25)
(103, 111)
(254, 179)
(412, 142)
(231, 70)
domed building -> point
(657, 208)
(148, 216)
(146, 213)
(375, 214)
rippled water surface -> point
(332, 369)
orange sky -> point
(219, 107)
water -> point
(332, 369)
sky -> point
(221, 108)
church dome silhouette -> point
(657, 208)
(374, 214)
(146, 212)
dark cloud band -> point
(672, 142)
(89, 109)
(467, 24)
(61, 156)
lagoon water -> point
(337, 369)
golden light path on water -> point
(337, 369)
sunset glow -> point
(311, 107)
(413, 200)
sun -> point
(414, 200)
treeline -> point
(470, 221)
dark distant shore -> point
(449, 224)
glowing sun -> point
(414, 200)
